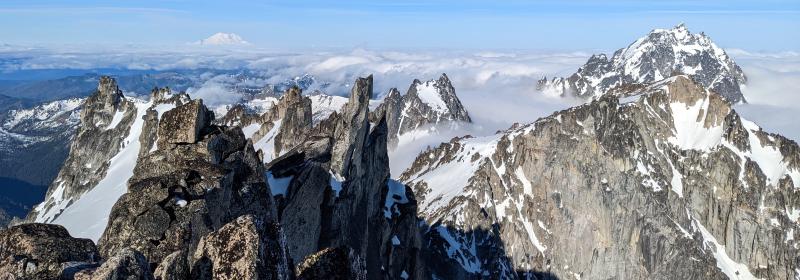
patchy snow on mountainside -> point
(45, 115)
(322, 106)
(439, 177)
(430, 95)
(651, 157)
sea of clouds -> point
(498, 88)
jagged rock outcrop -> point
(184, 124)
(430, 103)
(351, 131)
(294, 111)
(127, 264)
(671, 185)
(336, 183)
(184, 191)
(331, 263)
(282, 127)
(41, 251)
(105, 120)
(660, 54)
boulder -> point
(184, 123)
(127, 265)
(42, 251)
(239, 250)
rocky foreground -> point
(201, 204)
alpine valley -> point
(654, 175)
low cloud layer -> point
(772, 90)
(497, 87)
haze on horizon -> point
(442, 24)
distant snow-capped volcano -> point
(223, 39)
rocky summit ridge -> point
(201, 203)
(660, 54)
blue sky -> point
(765, 25)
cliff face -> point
(673, 184)
(336, 193)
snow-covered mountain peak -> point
(660, 54)
(426, 103)
(223, 39)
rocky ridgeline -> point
(105, 119)
(337, 194)
(200, 205)
(113, 131)
(430, 103)
(673, 184)
(661, 54)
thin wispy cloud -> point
(88, 10)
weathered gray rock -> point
(668, 186)
(284, 126)
(184, 123)
(331, 263)
(128, 264)
(43, 251)
(294, 110)
(321, 209)
(239, 250)
(183, 191)
(352, 128)
(173, 267)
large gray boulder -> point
(43, 251)
(184, 123)
(128, 264)
(239, 250)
